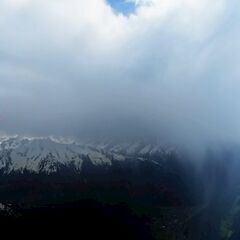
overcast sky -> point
(163, 67)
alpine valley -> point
(138, 189)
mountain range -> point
(48, 154)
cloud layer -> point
(170, 69)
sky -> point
(124, 7)
(167, 68)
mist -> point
(73, 68)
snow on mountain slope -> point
(44, 154)
(47, 154)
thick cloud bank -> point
(170, 69)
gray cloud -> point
(67, 68)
